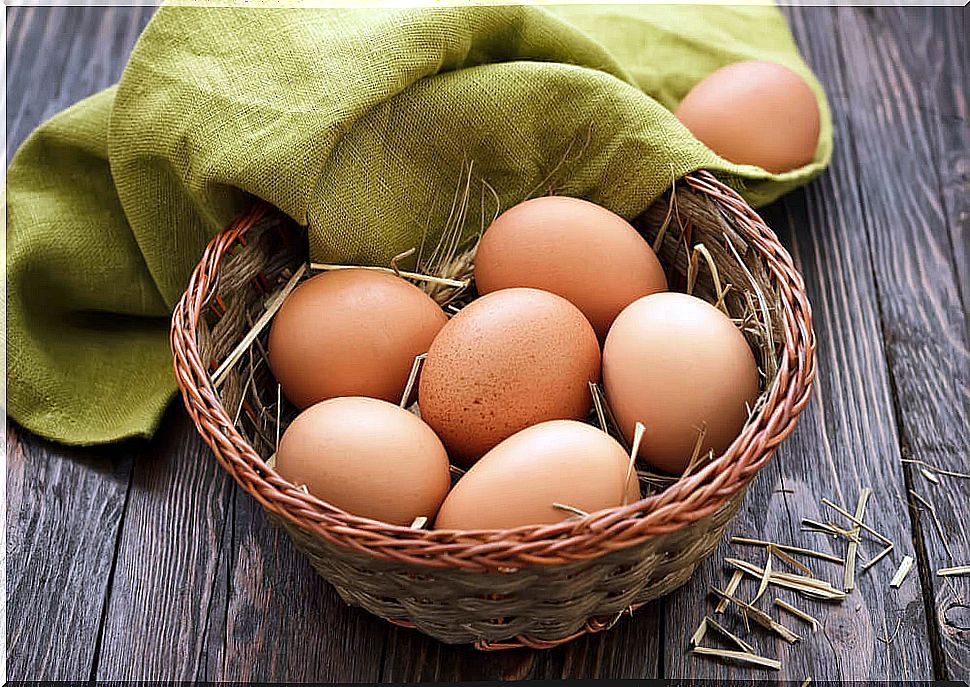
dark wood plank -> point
(64, 505)
(284, 623)
(207, 588)
(165, 575)
(951, 29)
(894, 66)
(846, 439)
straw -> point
(904, 567)
(848, 583)
(742, 656)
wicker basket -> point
(533, 586)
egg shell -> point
(754, 113)
(676, 364)
(367, 457)
(351, 332)
(573, 248)
(518, 481)
(510, 359)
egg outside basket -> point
(535, 586)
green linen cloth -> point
(360, 124)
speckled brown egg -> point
(510, 359)
(351, 332)
(678, 364)
(558, 462)
(576, 249)
(367, 457)
(754, 113)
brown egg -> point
(754, 113)
(508, 360)
(367, 457)
(351, 333)
(518, 481)
(677, 364)
(573, 248)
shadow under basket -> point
(535, 586)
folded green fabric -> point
(361, 125)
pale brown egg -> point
(754, 113)
(351, 332)
(678, 364)
(510, 359)
(367, 457)
(573, 248)
(558, 462)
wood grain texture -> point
(156, 566)
(64, 506)
(894, 71)
(952, 139)
(954, 166)
(163, 587)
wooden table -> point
(143, 561)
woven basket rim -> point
(687, 500)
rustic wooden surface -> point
(142, 561)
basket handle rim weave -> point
(688, 500)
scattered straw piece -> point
(929, 475)
(611, 420)
(765, 578)
(279, 411)
(957, 570)
(326, 267)
(817, 589)
(220, 374)
(806, 682)
(848, 581)
(759, 616)
(695, 456)
(889, 639)
(412, 378)
(693, 269)
(762, 301)
(637, 440)
(848, 535)
(798, 613)
(570, 509)
(878, 557)
(699, 633)
(598, 407)
(857, 521)
(936, 470)
(789, 549)
(659, 239)
(732, 587)
(936, 522)
(743, 645)
(814, 526)
(904, 567)
(791, 561)
(741, 656)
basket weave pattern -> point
(534, 586)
